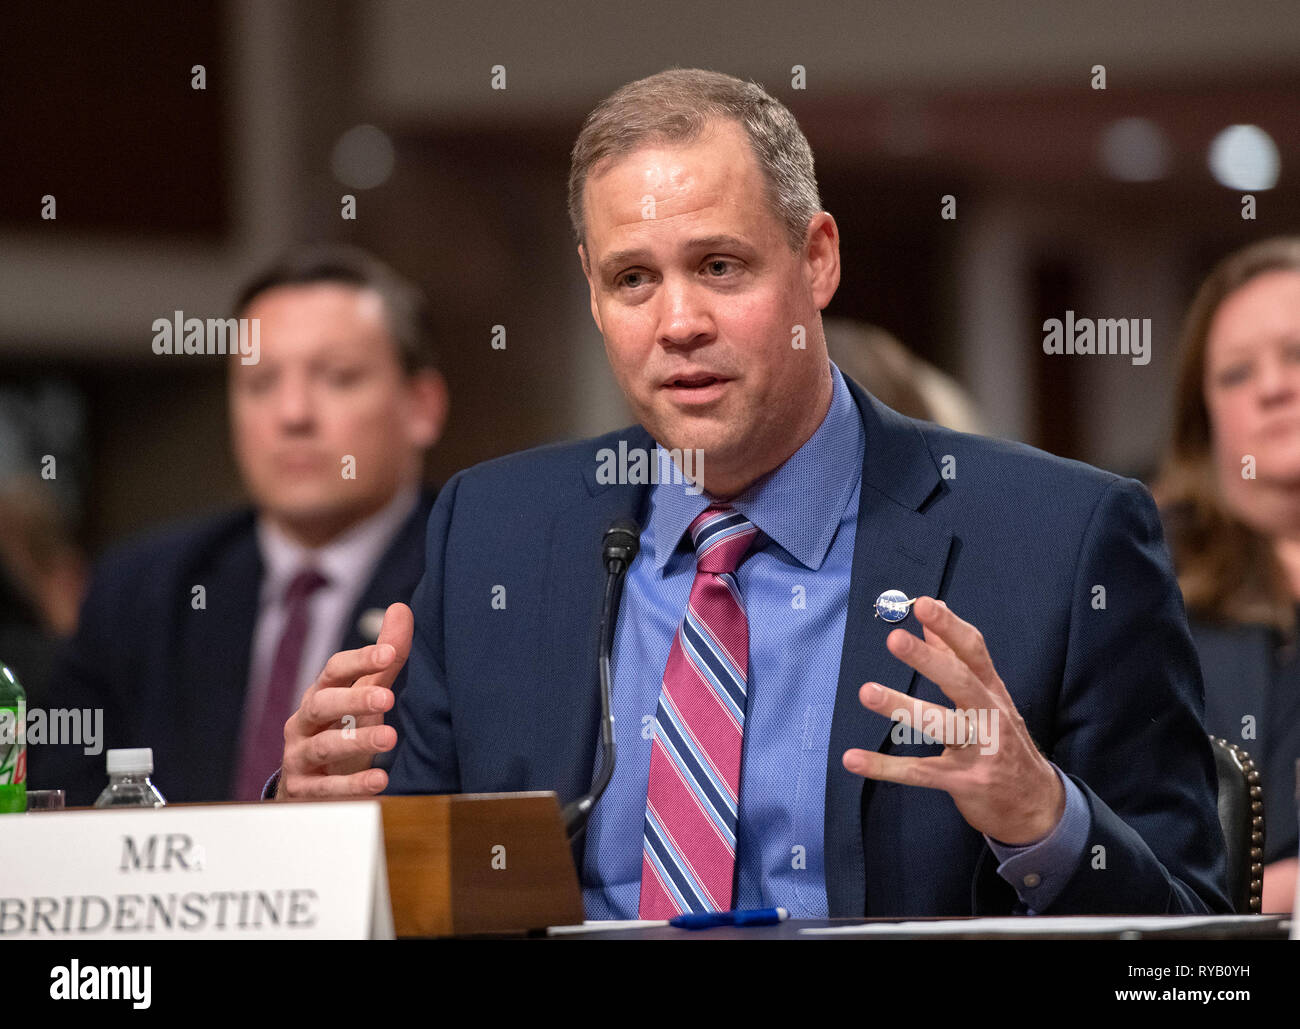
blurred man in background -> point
(198, 641)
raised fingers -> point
(322, 708)
(941, 666)
(333, 745)
(952, 727)
(397, 632)
(365, 783)
(965, 641)
(347, 666)
(929, 772)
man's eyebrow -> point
(623, 258)
(620, 259)
(722, 242)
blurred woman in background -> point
(879, 362)
(1229, 489)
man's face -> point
(329, 386)
(1252, 387)
(700, 299)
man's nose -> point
(294, 406)
(685, 317)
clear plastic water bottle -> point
(128, 780)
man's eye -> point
(343, 376)
(631, 280)
(717, 267)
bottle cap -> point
(138, 761)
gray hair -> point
(676, 106)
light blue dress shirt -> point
(795, 586)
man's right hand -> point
(330, 741)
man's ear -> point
(591, 286)
(430, 402)
(822, 258)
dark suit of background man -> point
(330, 428)
(709, 260)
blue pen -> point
(712, 919)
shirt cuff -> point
(1038, 871)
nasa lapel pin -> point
(892, 605)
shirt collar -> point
(347, 560)
(798, 505)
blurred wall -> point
(168, 196)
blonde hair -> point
(1226, 569)
(880, 363)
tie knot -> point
(304, 584)
(721, 537)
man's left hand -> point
(1003, 786)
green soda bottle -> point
(13, 743)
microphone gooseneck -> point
(618, 549)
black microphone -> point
(618, 548)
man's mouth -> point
(298, 461)
(700, 381)
(698, 389)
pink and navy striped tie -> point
(688, 859)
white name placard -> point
(227, 871)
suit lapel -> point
(395, 578)
(576, 583)
(895, 547)
(210, 676)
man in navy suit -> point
(198, 641)
(1037, 748)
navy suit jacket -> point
(1240, 666)
(171, 677)
(1016, 541)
